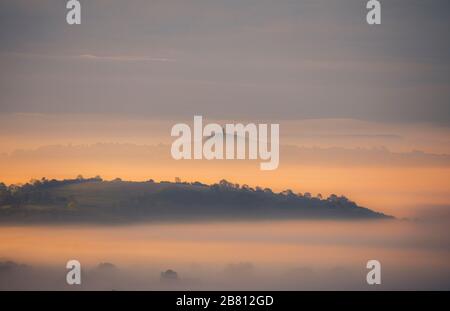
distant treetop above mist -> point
(95, 200)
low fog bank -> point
(233, 276)
(276, 255)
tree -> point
(225, 184)
(332, 198)
(288, 192)
(5, 196)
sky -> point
(228, 59)
(366, 105)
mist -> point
(263, 255)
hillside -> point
(97, 201)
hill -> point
(97, 201)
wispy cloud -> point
(124, 58)
(94, 57)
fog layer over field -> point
(228, 255)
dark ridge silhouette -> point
(95, 200)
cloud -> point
(157, 155)
(87, 57)
(124, 58)
(303, 59)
